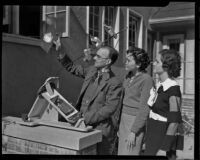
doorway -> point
(176, 42)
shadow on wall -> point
(24, 70)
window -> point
(94, 22)
(132, 41)
(109, 20)
(174, 44)
(59, 15)
(135, 30)
(6, 19)
(97, 17)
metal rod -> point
(188, 123)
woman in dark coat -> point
(165, 101)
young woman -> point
(135, 110)
(165, 101)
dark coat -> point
(103, 109)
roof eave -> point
(171, 19)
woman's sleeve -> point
(144, 109)
(174, 115)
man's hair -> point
(140, 56)
(113, 53)
(171, 61)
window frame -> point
(6, 18)
(101, 28)
(116, 20)
(139, 37)
(67, 23)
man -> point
(99, 101)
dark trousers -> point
(107, 146)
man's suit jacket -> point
(103, 109)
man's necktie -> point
(98, 78)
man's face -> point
(130, 64)
(102, 58)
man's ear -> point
(108, 61)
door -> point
(176, 42)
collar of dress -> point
(167, 84)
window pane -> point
(96, 34)
(96, 11)
(109, 19)
(106, 22)
(91, 9)
(49, 9)
(106, 12)
(94, 21)
(51, 23)
(133, 37)
(91, 32)
(50, 19)
(61, 22)
(96, 24)
(60, 8)
(4, 11)
(174, 46)
(111, 14)
(106, 38)
(130, 35)
(91, 21)
(132, 30)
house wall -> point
(25, 67)
(24, 70)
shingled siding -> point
(188, 107)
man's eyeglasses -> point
(98, 56)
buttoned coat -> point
(104, 108)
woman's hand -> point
(131, 141)
(152, 97)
